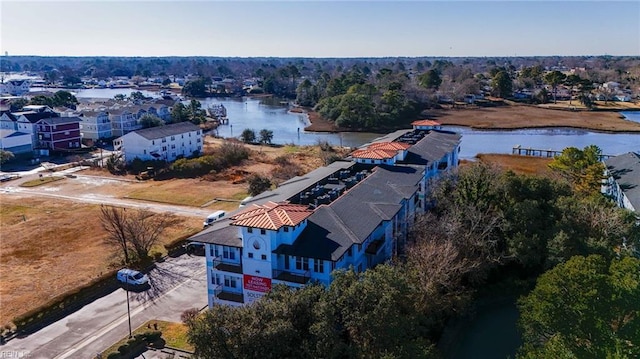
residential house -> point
(95, 125)
(161, 143)
(25, 121)
(623, 180)
(59, 133)
(123, 121)
(18, 143)
(354, 213)
(15, 87)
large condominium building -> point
(353, 213)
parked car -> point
(132, 277)
(213, 217)
(195, 248)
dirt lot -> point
(43, 238)
(514, 117)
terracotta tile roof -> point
(425, 123)
(389, 146)
(271, 215)
(375, 154)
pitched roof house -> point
(161, 143)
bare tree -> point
(114, 221)
(134, 230)
(144, 230)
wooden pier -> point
(536, 152)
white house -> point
(123, 121)
(16, 142)
(349, 214)
(161, 143)
(15, 87)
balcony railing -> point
(220, 264)
(287, 276)
(223, 294)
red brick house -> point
(58, 133)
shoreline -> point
(507, 118)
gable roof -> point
(271, 216)
(34, 117)
(625, 169)
(375, 154)
(389, 146)
(154, 133)
(60, 120)
(4, 133)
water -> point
(267, 113)
(631, 115)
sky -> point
(319, 28)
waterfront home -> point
(161, 143)
(623, 180)
(25, 121)
(15, 87)
(352, 214)
(123, 121)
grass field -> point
(174, 335)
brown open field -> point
(517, 116)
(50, 247)
(42, 238)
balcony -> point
(287, 276)
(224, 266)
(223, 294)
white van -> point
(213, 217)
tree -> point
(502, 84)
(137, 96)
(5, 156)
(120, 97)
(248, 135)
(195, 88)
(586, 306)
(149, 120)
(266, 136)
(430, 79)
(114, 221)
(115, 163)
(64, 98)
(582, 168)
(179, 113)
(18, 104)
(196, 113)
(258, 184)
(554, 78)
(133, 230)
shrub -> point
(258, 184)
(114, 356)
(248, 135)
(188, 315)
(124, 348)
(152, 337)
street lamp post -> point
(128, 307)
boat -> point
(218, 112)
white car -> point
(132, 277)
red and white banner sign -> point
(258, 284)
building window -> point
(164, 139)
(286, 229)
(359, 248)
(250, 230)
(228, 253)
(144, 152)
(256, 245)
(173, 138)
(231, 282)
(350, 251)
(66, 133)
(250, 255)
(153, 142)
(262, 231)
(302, 263)
(173, 147)
(264, 257)
(318, 265)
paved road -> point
(72, 193)
(176, 285)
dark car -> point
(194, 248)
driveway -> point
(176, 285)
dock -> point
(548, 153)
